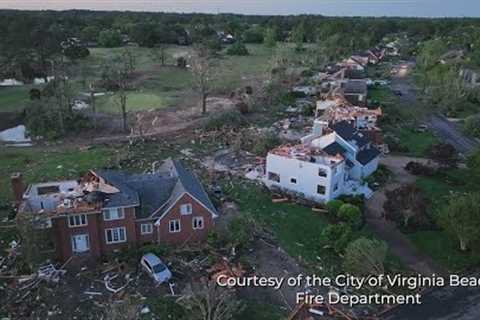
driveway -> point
(386, 230)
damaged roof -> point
(127, 195)
(348, 132)
(153, 191)
(334, 148)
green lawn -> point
(136, 101)
(297, 228)
(159, 86)
(444, 249)
(441, 246)
(416, 143)
(14, 99)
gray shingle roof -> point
(153, 191)
(126, 197)
(348, 132)
(191, 184)
(367, 155)
(356, 87)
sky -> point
(410, 8)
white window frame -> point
(79, 216)
(195, 219)
(146, 228)
(73, 242)
(174, 222)
(120, 214)
(115, 232)
(186, 209)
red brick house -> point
(106, 211)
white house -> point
(328, 163)
(307, 171)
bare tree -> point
(123, 69)
(91, 88)
(159, 53)
(201, 70)
(207, 301)
(61, 90)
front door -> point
(80, 243)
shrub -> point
(333, 206)
(237, 49)
(473, 163)
(472, 125)
(264, 143)
(227, 119)
(239, 231)
(110, 38)
(350, 213)
(365, 257)
(338, 236)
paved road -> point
(450, 133)
(445, 129)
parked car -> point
(155, 268)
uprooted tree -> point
(364, 257)
(208, 301)
(444, 154)
(461, 217)
(407, 206)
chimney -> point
(18, 187)
(319, 127)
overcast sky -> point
(424, 8)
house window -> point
(197, 223)
(116, 235)
(320, 189)
(80, 243)
(113, 214)
(174, 226)
(273, 177)
(322, 172)
(78, 220)
(293, 180)
(186, 209)
(146, 228)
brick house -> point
(106, 211)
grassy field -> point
(159, 86)
(285, 220)
(416, 143)
(438, 244)
(14, 99)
